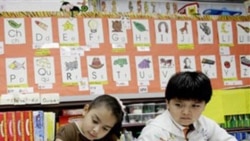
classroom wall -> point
(69, 60)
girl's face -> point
(185, 112)
(97, 122)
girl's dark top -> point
(70, 132)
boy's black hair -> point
(189, 85)
(112, 104)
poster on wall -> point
(76, 56)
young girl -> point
(101, 121)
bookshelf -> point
(135, 128)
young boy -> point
(187, 94)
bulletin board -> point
(148, 51)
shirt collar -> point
(79, 131)
(180, 127)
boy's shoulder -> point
(160, 121)
(206, 122)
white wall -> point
(122, 5)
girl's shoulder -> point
(69, 126)
(67, 129)
(69, 132)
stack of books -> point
(27, 126)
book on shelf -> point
(3, 126)
(11, 126)
(49, 126)
(38, 125)
(28, 123)
(20, 135)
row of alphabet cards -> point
(15, 32)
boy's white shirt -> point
(164, 128)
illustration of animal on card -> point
(117, 26)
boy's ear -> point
(85, 109)
(167, 102)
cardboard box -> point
(68, 119)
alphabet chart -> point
(96, 54)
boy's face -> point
(185, 112)
(97, 122)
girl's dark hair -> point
(112, 104)
(189, 85)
